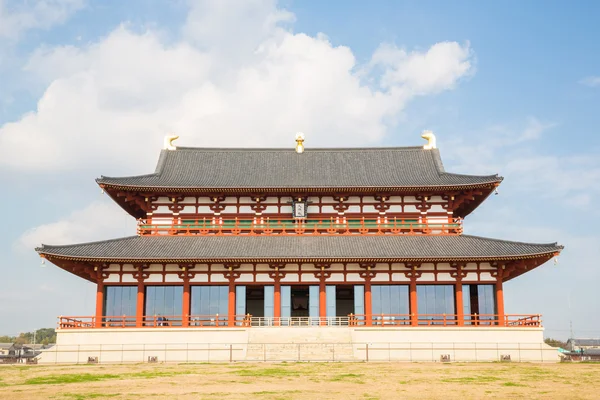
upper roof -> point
(584, 342)
(300, 247)
(222, 168)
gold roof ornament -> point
(168, 143)
(430, 137)
(299, 142)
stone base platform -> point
(276, 344)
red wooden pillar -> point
(185, 304)
(99, 304)
(231, 304)
(500, 300)
(277, 301)
(139, 306)
(414, 307)
(368, 303)
(322, 302)
(460, 309)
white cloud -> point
(98, 221)
(18, 17)
(437, 69)
(240, 80)
(591, 81)
(521, 157)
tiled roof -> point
(350, 247)
(393, 167)
(585, 342)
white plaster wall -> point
(353, 277)
(112, 278)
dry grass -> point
(301, 381)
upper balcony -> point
(283, 226)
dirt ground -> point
(302, 381)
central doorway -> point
(300, 301)
(344, 300)
(255, 301)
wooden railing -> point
(516, 320)
(154, 321)
(279, 226)
(376, 320)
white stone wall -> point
(135, 345)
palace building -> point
(244, 246)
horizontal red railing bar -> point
(130, 321)
(381, 320)
(518, 320)
(281, 226)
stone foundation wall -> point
(433, 344)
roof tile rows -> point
(284, 168)
(299, 247)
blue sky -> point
(89, 88)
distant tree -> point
(7, 339)
(22, 338)
(43, 335)
(555, 343)
(48, 334)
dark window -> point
(435, 300)
(120, 300)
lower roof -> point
(299, 248)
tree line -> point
(44, 336)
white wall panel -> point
(398, 277)
(130, 267)
(245, 278)
(200, 278)
(381, 277)
(263, 278)
(309, 278)
(354, 277)
(426, 277)
(286, 209)
(127, 278)
(290, 277)
(337, 277)
(353, 267)
(471, 276)
(172, 278)
(487, 277)
(218, 278)
(112, 278)
(444, 277)
(154, 278)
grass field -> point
(302, 381)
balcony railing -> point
(352, 320)
(384, 320)
(281, 226)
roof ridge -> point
(292, 149)
(514, 241)
(471, 175)
(127, 176)
(49, 246)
